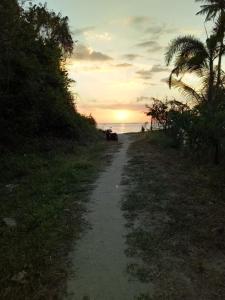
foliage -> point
(172, 115)
(216, 9)
(35, 97)
(45, 191)
(200, 125)
(158, 112)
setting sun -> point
(122, 115)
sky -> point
(118, 62)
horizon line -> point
(121, 122)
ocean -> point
(123, 127)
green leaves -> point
(35, 96)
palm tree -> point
(190, 55)
(212, 9)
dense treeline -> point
(35, 99)
(198, 125)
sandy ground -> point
(99, 261)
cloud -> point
(152, 46)
(145, 74)
(85, 53)
(165, 80)
(158, 68)
(123, 65)
(90, 68)
(143, 98)
(148, 25)
(146, 44)
(131, 56)
(160, 29)
(137, 20)
(154, 29)
(91, 34)
(151, 83)
(113, 105)
(103, 36)
(83, 30)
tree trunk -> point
(220, 64)
(211, 79)
(217, 153)
(221, 31)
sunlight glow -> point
(122, 115)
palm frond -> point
(183, 46)
(186, 90)
(211, 8)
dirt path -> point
(99, 260)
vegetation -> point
(35, 99)
(199, 125)
(48, 157)
(175, 218)
(44, 193)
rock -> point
(10, 222)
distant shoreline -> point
(123, 123)
(123, 127)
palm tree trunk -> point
(211, 80)
(217, 152)
(220, 63)
(221, 31)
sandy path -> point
(99, 260)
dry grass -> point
(175, 213)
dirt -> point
(175, 211)
(99, 262)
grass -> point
(175, 211)
(45, 192)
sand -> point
(99, 261)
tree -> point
(213, 9)
(35, 96)
(158, 112)
(50, 27)
(190, 55)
